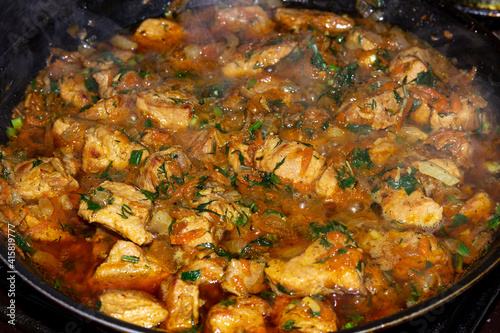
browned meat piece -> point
(456, 144)
(162, 166)
(416, 258)
(260, 58)
(309, 315)
(104, 145)
(159, 33)
(478, 207)
(385, 107)
(171, 109)
(69, 132)
(409, 63)
(364, 40)
(42, 227)
(292, 161)
(127, 266)
(192, 231)
(182, 301)
(237, 314)
(72, 89)
(121, 208)
(327, 184)
(414, 210)
(320, 269)
(115, 109)
(247, 22)
(43, 177)
(462, 114)
(210, 270)
(301, 19)
(133, 306)
(244, 277)
(238, 153)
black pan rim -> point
(472, 276)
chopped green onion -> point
(132, 259)
(135, 157)
(17, 123)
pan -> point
(28, 29)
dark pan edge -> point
(471, 277)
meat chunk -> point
(132, 306)
(192, 231)
(162, 166)
(456, 144)
(238, 314)
(172, 109)
(385, 107)
(291, 161)
(113, 82)
(409, 63)
(244, 277)
(302, 19)
(42, 227)
(204, 145)
(252, 62)
(126, 211)
(104, 145)
(419, 259)
(364, 40)
(69, 132)
(72, 89)
(322, 269)
(210, 270)
(327, 184)
(43, 177)
(304, 315)
(414, 210)
(385, 151)
(462, 114)
(239, 155)
(159, 33)
(108, 60)
(127, 266)
(248, 22)
(228, 212)
(182, 301)
(111, 110)
(478, 207)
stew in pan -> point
(252, 169)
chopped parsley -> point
(407, 182)
(191, 275)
